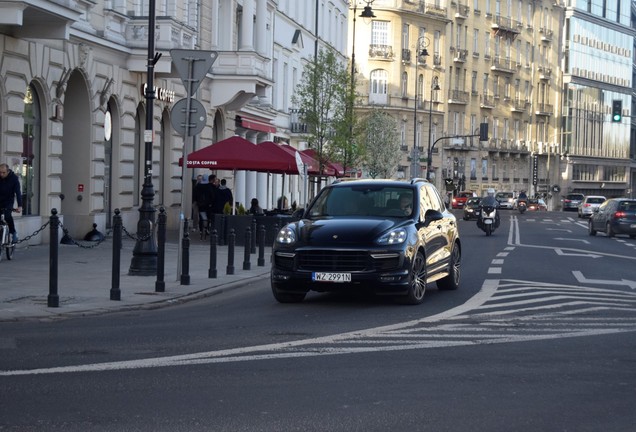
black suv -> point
(385, 236)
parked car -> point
(589, 203)
(537, 204)
(384, 236)
(471, 209)
(571, 201)
(460, 199)
(506, 199)
(614, 216)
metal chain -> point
(84, 246)
(29, 237)
(136, 237)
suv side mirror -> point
(431, 216)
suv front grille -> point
(330, 260)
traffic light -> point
(617, 111)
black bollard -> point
(261, 246)
(248, 248)
(231, 238)
(115, 292)
(53, 299)
(160, 284)
(185, 259)
(253, 248)
(213, 242)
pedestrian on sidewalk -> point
(10, 193)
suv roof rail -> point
(418, 179)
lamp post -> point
(429, 156)
(420, 50)
(144, 260)
(367, 13)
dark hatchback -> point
(471, 209)
(360, 235)
(614, 216)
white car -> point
(506, 200)
(589, 203)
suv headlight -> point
(396, 236)
(286, 236)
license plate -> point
(488, 221)
(632, 226)
(331, 277)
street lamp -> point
(420, 50)
(366, 13)
(144, 260)
(429, 159)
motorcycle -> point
(522, 206)
(487, 220)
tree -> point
(322, 97)
(381, 144)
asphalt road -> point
(540, 336)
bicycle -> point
(6, 242)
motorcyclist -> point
(488, 201)
(522, 197)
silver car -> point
(572, 200)
(589, 203)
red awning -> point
(329, 168)
(249, 123)
(237, 153)
(289, 153)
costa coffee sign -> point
(161, 94)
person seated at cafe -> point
(255, 209)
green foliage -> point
(227, 208)
(382, 145)
(324, 97)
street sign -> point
(179, 116)
(192, 66)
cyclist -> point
(10, 192)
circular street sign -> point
(179, 116)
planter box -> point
(239, 223)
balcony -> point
(458, 97)
(437, 61)
(381, 52)
(169, 34)
(487, 102)
(546, 34)
(435, 10)
(462, 11)
(460, 56)
(296, 122)
(544, 109)
(406, 56)
(505, 25)
(518, 105)
(501, 64)
(545, 73)
(40, 20)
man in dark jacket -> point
(10, 192)
(203, 195)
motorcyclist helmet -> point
(490, 192)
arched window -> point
(29, 168)
(405, 84)
(379, 82)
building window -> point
(378, 82)
(27, 168)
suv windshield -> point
(381, 201)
